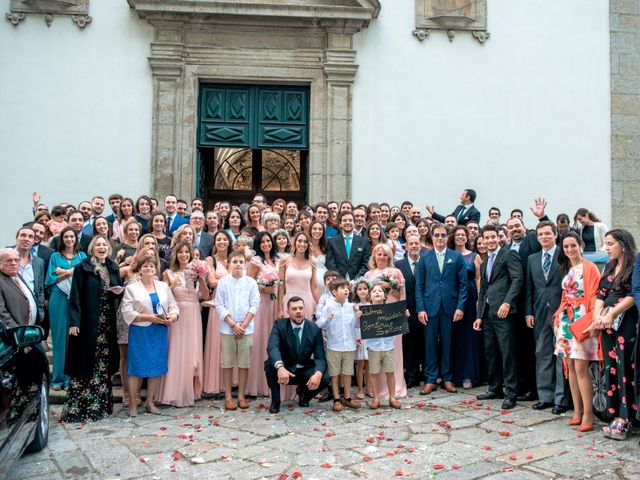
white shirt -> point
(236, 297)
(551, 252)
(341, 329)
(382, 344)
(324, 298)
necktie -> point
(34, 251)
(492, 258)
(296, 333)
(546, 264)
(347, 245)
(169, 222)
(440, 257)
(461, 213)
(24, 289)
(413, 268)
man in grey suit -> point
(203, 240)
(543, 294)
(32, 268)
(18, 306)
(501, 277)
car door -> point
(8, 386)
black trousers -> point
(301, 378)
(413, 351)
(525, 356)
(500, 350)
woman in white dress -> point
(318, 250)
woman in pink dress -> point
(265, 262)
(182, 384)
(381, 263)
(222, 247)
(298, 275)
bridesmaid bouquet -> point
(197, 269)
(393, 278)
(270, 279)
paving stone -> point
(26, 469)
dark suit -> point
(356, 264)
(178, 221)
(439, 295)
(44, 252)
(542, 299)
(412, 342)
(311, 359)
(206, 240)
(499, 333)
(471, 214)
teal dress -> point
(59, 314)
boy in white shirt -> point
(237, 301)
(338, 319)
(328, 277)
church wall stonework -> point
(625, 114)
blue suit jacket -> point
(443, 292)
(177, 223)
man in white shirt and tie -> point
(348, 253)
(18, 306)
(203, 239)
(465, 212)
(174, 220)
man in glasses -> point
(441, 293)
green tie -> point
(440, 256)
(296, 333)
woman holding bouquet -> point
(264, 268)
(381, 271)
(221, 249)
(182, 385)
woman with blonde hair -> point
(184, 233)
(124, 252)
(383, 272)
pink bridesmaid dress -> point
(262, 325)
(297, 283)
(185, 347)
(401, 385)
(212, 347)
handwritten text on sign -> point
(383, 320)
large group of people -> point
(268, 296)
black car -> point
(24, 389)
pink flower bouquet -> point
(269, 279)
(197, 269)
(393, 278)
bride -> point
(318, 249)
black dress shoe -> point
(509, 403)
(558, 409)
(274, 407)
(526, 397)
(541, 405)
(490, 395)
(304, 403)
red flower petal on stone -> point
(143, 460)
(488, 430)
(507, 421)
(330, 434)
(326, 465)
(389, 454)
(367, 459)
(400, 445)
(411, 450)
(284, 476)
(620, 459)
(438, 466)
(455, 467)
(505, 434)
(504, 412)
(371, 440)
(512, 457)
(420, 404)
(487, 447)
(177, 456)
(296, 474)
(163, 428)
(173, 467)
(529, 457)
(398, 473)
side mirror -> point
(28, 335)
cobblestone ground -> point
(442, 435)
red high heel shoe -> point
(574, 421)
(585, 428)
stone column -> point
(167, 67)
(340, 70)
(625, 114)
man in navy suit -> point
(295, 356)
(441, 292)
(348, 253)
(465, 212)
(174, 220)
(412, 342)
(203, 239)
(114, 202)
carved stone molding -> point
(299, 42)
(451, 16)
(78, 10)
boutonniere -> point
(359, 249)
(449, 261)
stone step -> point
(58, 397)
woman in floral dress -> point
(92, 353)
(579, 290)
(619, 333)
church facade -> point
(325, 99)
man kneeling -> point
(296, 356)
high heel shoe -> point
(574, 421)
(586, 427)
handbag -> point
(580, 325)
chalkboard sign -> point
(383, 320)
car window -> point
(5, 346)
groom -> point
(348, 253)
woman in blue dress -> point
(467, 348)
(59, 275)
(148, 307)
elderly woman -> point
(381, 265)
(92, 351)
(148, 307)
(271, 221)
(184, 233)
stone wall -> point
(625, 114)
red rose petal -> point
(330, 434)
(437, 466)
(505, 434)
(326, 465)
(371, 440)
(486, 447)
(512, 457)
(296, 474)
(367, 459)
(284, 476)
(455, 467)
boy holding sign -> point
(380, 351)
(338, 319)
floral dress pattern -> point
(566, 345)
(90, 400)
(619, 352)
